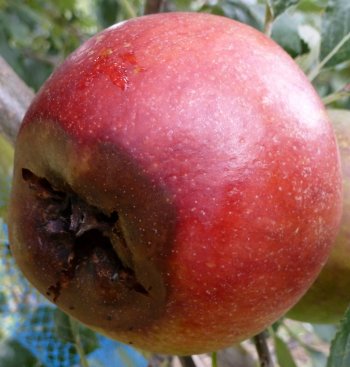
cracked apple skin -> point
(177, 184)
(328, 298)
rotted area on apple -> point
(87, 231)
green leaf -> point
(312, 5)
(312, 38)
(285, 32)
(252, 14)
(14, 354)
(212, 9)
(66, 5)
(276, 325)
(283, 354)
(36, 35)
(106, 11)
(335, 27)
(340, 347)
(280, 6)
(183, 5)
(3, 298)
(63, 330)
(214, 359)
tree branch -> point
(15, 97)
(269, 18)
(318, 68)
(339, 94)
(153, 6)
(263, 350)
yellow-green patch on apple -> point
(6, 165)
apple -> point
(328, 298)
(177, 184)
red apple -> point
(177, 184)
(328, 298)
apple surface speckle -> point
(177, 181)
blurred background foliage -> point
(35, 37)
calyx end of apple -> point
(83, 245)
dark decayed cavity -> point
(85, 229)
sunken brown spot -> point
(85, 230)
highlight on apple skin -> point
(328, 298)
(177, 184)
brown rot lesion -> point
(65, 212)
(86, 231)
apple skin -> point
(328, 298)
(213, 165)
(6, 165)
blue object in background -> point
(29, 318)
(115, 354)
